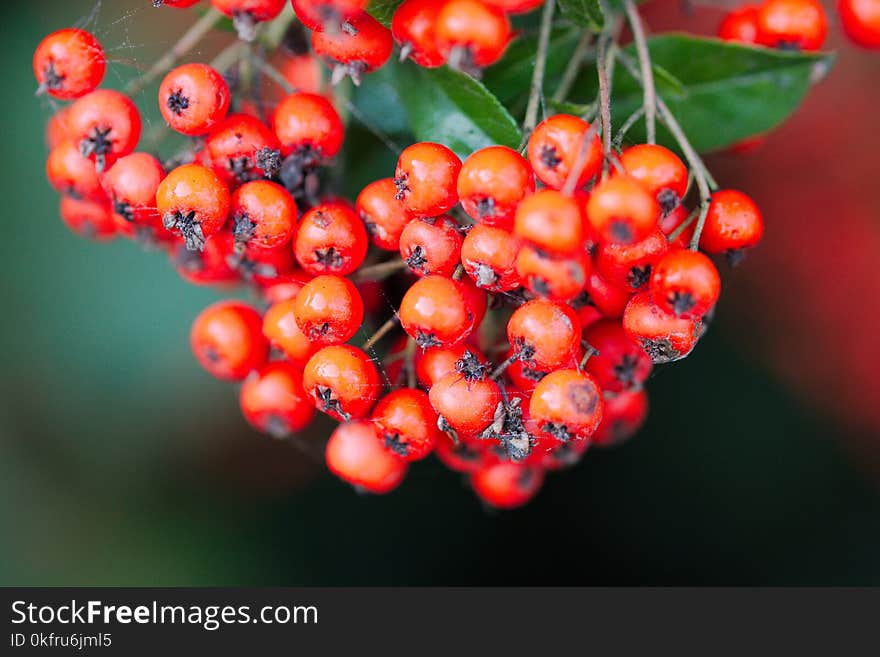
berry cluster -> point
(536, 289)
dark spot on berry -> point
(295, 41)
(269, 160)
(486, 207)
(539, 286)
(392, 441)
(583, 397)
(177, 102)
(51, 78)
(466, 453)
(566, 455)
(401, 186)
(123, 209)
(321, 219)
(211, 354)
(681, 302)
(525, 479)
(329, 258)
(524, 350)
(581, 300)
(447, 428)
(318, 332)
(427, 340)
(621, 231)
(557, 430)
(788, 46)
(99, 144)
(532, 374)
(243, 229)
(660, 350)
(668, 200)
(188, 227)
(470, 367)
(549, 157)
(417, 260)
(625, 370)
(638, 277)
(241, 168)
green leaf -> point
(586, 13)
(383, 10)
(451, 108)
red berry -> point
(355, 454)
(492, 182)
(131, 184)
(464, 456)
(471, 35)
(327, 14)
(193, 203)
(330, 240)
(619, 363)
(263, 266)
(555, 146)
(245, 14)
(507, 485)
(307, 125)
(285, 287)
(489, 257)
(673, 220)
(69, 63)
(551, 221)
(685, 283)
(629, 266)
(361, 47)
(733, 224)
(179, 4)
(662, 335)
(436, 362)
(740, 25)
(273, 400)
(88, 218)
(515, 6)
(282, 331)
(382, 214)
(544, 334)
(426, 178)
(622, 210)
(58, 127)
(431, 246)
(607, 297)
(193, 98)
(861, 21)
(227, 340)
(241, 149)
(625, 413)
(559, 278)
(263, 214)
(467, 398)
(658, 169)
(342, 381)
(71, 174)
(800, 24)
(435, 312)
(567, 404)
(413, 27)
(212, 266)
(329, 309)
(106, 125)
(406, 423)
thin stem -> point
(581, 161)
(537, 87)
(380, 333)
(629, 123)
(379, 271)
(410, 363)
(573, 66)
(683, 226)
(187, 42)
(704, 211)
(650, 94)
(498, 371)
(590, 351)
(604, 99)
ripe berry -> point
(245, 14)
(58, 127)
(330, 240)
(193, 98)
(466, 456)
(515, 6)
(88, 218)
(435, 363)
(471, 35)
(273, 400)
(619, 363)
(71, 174)
(329, 309)
(307, 125)
(622, 210)
(685, 283)
(131, 184)
(560, 278)
(263, 214)
(242, 148)
(227, 340)
(212, 266)
(861, 21)
(555, 146)
(342, 381)
(551, 221)
(382, 214)
(733, 224)
(507, 485)
(662, 335)
(355, 454)
(544, 334)
(106, 125)
(263, 266)
(431, 246)
(489, 257)
(629, 266)
(492, 182)
(607, 297)
(193, 203)
(567, 404)
(69, 63)
(659, 170)
(406, 423)
(282, 331)
(426, 178)
(467, 398)
(435, 312)
(413, 27)
(327, 14)
(792, 24)
(625, 413)
(363, 46)
(740, 25)
(524, 377)
(673, 220)
(179, 4)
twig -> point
(683, 226)
(629, 123)
(380, 333)
(379, 271)
(410, 362)
(573, 66)
(498, 371)
(650, 94)
(537, 87)
(581, 161)
(604, 100)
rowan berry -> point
(685, 283)
(663, 336)
(567, 404)
(356, 455)
(660, 171)
(607, 297)
(544, 334)
(507, 485)
(489, 256)
(431, 246)
(106, 125)
(283, 333)
(131, 184)
(625, 413)
(515, 6)
(193, 203)
(342, 381)
(193, 99)
(740, 25)
(383, 215)
(798, 24)
(71, 174)
(88, 217)
(560, 278)
(475, 299)
(363, 46)
(733, 224)
(327, 14)
(556, 146)
(465, 456)
(212, 266)
(227, 340)
(58, 127)
(861, 21)
(466, 399)
(179, 4)
(263, 214)
(242, 148)
(413, 27)
(263, 266)
(426, 179)
(586, 310)
(435, 312)
(69, 63)
(471, 35)
(285, 287)
(406, 423)
(245, 14)
(308, 126)
(273, 400)
(330, 240)
(629, 266)
(621, 210)
(329, 309)
(551, 221)
(619, 362)
(436, 362)
(491, 183)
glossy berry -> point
(604, 295)
(551, 221)
(431, 246)
(466, 399)
(329, 309)
(363, 46)
(554, 148)
(426, 179)
(567, 404)
(263, 214)
(733, 224)
(436, 362)
(659, 170)
(491, 183)
(263, 266)
(544, 334)
(406, 424)
(685, 283)
(71, 174)
(625, 413)
(227, 340)
(471, 35)
(193, 203)
(792, 24)
(58, 127)
(507, 485)
(242, 148)
(282, 331)
(330, 240)
(307, 125)
(69, 63)
(515, 6)
(619, 362)
(327, 14)
(629, 266)
(383, 215)
(212, 266)
(131, 184)
(285, 287)
(861, 21)
(245, 14)
(435, 312)
(88, 218)
(465, 456)
(106, 125)
(560, 278)
(356, 455)
(622, 210)
(663, 336)
(193, 98)
(740, 25)
(273, 400)
(489, 257)
(342, 382)
(413, 27)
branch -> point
(537, 87)
(573, 66)
(650, 94)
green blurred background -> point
(123, 463)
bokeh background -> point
(123, 463)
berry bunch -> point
(536, 289)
